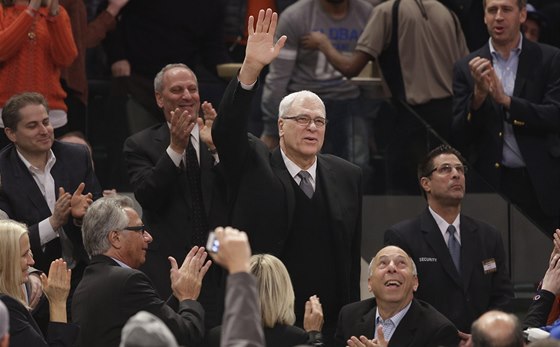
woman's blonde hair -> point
(11, 276)
(275, 290)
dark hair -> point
(520, 3)
(10, 112)
(426, 166)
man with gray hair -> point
(112, 289)
(146, 330)
(172, 169)
(4, 326)
(393, 317)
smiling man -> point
(113, 290)
(507, 110)
(296, 203)
(462, 259)
(393, 317)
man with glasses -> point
(295, 203)
(112, 289)
(460, 260)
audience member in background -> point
(298, 68)
(471, 16)
(4, 326)
(497, 329)
(507, 114)
(534, 24)
(113, 290)
(312, 216)
(146, 330)
(416, 54)
(461, 261)
(277, 298)
(87, 34)
(545, 308)
(241, 325)
(393, 317)
(45, 184)
(35, 44)
(173, 172)
(15, 259)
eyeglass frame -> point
(309, 120)
(138, 228)
(460, 168)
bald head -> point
(497, 329)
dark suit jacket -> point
(534, 114)
(261, 192)
(422, 325)
(22, 200)
(163, 192)
(25, 332)
(109, 295)
(461, 298)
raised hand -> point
(313, 316)
(261, 49)
(234, 253)
(186, 280)
(205, 125)
(56, 288)
(182, 123)
(80, 202)
(314, 40)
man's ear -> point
(11, 134)
(280, 127)
(115, 239)
(415, 284)
(425, 183)
(159, 99)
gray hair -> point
(4, 320)
(102, 217)
(146, 330)
(288, 100)
(158, 80)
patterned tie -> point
(454, 247)
(200, 224)
(305, 183)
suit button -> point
(500, 134)
(497, 165)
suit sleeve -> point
(446, 335)
(540, 308)
(153, 179)
(339, 335)
(392, 238)
(187, 324)
(241, 325)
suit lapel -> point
(326, 178)
(524, 66)
(407, 327)
(366, 326)
(206, 176)
(282, 173)
(435, 240)
(28, 185)
(469, 248)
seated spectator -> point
(277, 307)
(241, 323)
(393, 317)
(545, 308)
(112, 289)
(497, 329)
(534, 24)
(35, 43)
(15, 259)
(146, 330)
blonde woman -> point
(15, 259)
(276, 297)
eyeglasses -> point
(446, 169)
(138, 228)
(305, 120)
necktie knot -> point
(451, 230)
(305, 183)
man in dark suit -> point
(45, 184)
(113, 290)
(393, 316)
(507, 111)
(462, 259)
(300, 205)
(176, 209)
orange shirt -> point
(33, 49)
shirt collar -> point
(443, 225)
(51, 160)
(293, 169)
(396, 318)
(516, 50)
(121, 263)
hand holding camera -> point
(230, 248)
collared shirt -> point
(45, 183)
(121, 264)
(293, 169)
(390, 324)
(506, 70)
(443, 225)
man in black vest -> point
(300, 205)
